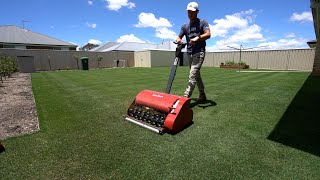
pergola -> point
(315, 8)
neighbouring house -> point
(144, 54)
(89, 46)
(134, 46)
(124, 46)
(19, 38)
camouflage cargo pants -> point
(195, 63)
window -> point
(6, 46)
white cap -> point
(193, 6)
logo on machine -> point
(157, 95)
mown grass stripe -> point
(83, 134)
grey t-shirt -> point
(191, 30)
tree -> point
(76, 58)
(99, 58)
(7, 67)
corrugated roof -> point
(103, 47)
(112, 48)
(167, 45)
(17, 35)
(130, 46)
(135, 46)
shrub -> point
(243, 63)
(7, 66)
(230, 63)
(233, 63)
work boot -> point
(202, 97)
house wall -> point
(162, 58)
(157, 58)
(142, 59)
(128, 56)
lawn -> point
(253, 128)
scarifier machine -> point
(161, 112)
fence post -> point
(49, 62)
(288, 57)
(212, 59)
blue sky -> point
(276, 24)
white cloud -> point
(236, 29)
(93, 26)
(290, 35)
(222, 45)
(249, 34)
(129, 38)
(280, 44)
(285, 44)
(239, 29)
(161, 25)
(149, 20)
(94, 41)
(303, 17)
(90, 3)
(115, 5)
(235, 21)
(165, 33)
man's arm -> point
(206, 35)
(179, 40)
(180, 36)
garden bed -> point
(234, 66)
(17, 106)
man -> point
(197, 31)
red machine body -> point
(162, 112)
(173, 112)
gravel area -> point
(18, 114)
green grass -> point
(84, 136)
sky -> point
(272, 24)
